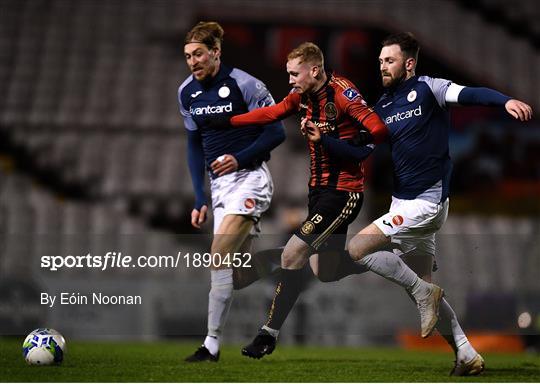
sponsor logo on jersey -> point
(307, 228)
(351, 94)
(224, 92)
(397, 220)
(194, 95)
(330, 111)
(249, 203)
(211, 109)
(404, 115)
(411, 96)
(387, 104)
(325, 127)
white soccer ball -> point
(44, 346)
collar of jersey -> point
(407, 83)
(321, 92)
(221, 75)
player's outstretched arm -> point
(490, 97)
(519, 110)
(267, 115)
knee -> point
(289, 261)
(295, 254)
(356, 249)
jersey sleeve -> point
(266, 115)
(344, 150)
(445, 91)
(195, 157)
(189, 123)
(254, 91)
(354, 105)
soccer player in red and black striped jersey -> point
(336, 185)
(333, 104)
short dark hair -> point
(406, 41)
(208, 33)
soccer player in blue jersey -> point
(241, 184)
(415, 110)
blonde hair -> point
(309, 53)
(209, 33)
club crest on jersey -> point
(307, 228)
(330, 111)
(224, 92)
(249, 203)
(411, 96)
(351, 94)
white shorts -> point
(245, 192)
(413, 223)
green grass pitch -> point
(163, 362)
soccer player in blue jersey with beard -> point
(415, 110)
(241, 184)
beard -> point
(206, 70)
(391, 81)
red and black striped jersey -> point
(339, 110)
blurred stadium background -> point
(92, 157)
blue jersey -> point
(418, 122)
(230, 92)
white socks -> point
(271, 331)
(420, 289)
(450, 329)
(212, 344)
(391, 267)
(219, 302)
